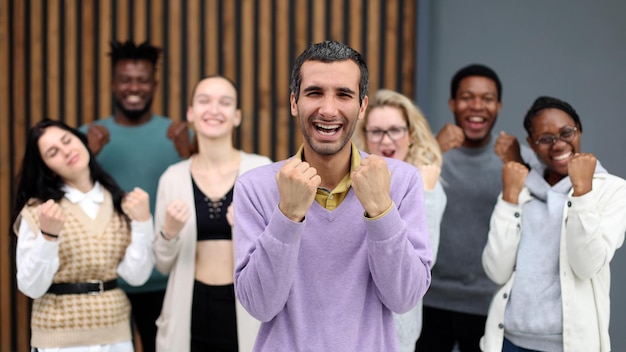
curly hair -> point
(423, 149)
(130, 51)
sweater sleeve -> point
(398, 250)
(595, 227)
(435, 204)
(165, 251)
(266, 254)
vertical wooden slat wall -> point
(54, 63)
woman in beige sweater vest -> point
(77, 231)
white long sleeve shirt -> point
(37, 259)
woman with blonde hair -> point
(395, 128)
(193, 220)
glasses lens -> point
(396, 133)
(375, 135)
(567, 133)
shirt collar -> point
(75, 196)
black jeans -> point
(442, 329)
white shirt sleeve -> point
(37, 261)
(138, 261)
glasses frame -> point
(557, 137)
(369, 135)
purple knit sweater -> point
(329, 283)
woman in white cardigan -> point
(553, 233)
(194, 241)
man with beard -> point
(455, 307)
(135, 147)
(331, 241)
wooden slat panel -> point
(264, 67)
(121, 20)
(70, 88)
(36, 60)
(255, 51)
(373, 43)
(281, 91)
(6, 274)
(409, 49)
(193, 46)
(356, 23)
(174, 58)
(392, 36)
(140, 20)
(156, 39)
(104, 69)
(319, 21)
(87, 90)
(247, 88)
(336, 21)
(53, 60)
(229, 48)
(20, 126)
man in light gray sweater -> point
(455, 307)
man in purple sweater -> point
(331, 241)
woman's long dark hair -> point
(36, 181)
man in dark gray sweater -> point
(455, 307)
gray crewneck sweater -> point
(472, 179)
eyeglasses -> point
(395, 133)
(567, 134)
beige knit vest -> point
(89, 249)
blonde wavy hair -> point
(423, 148)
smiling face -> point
(328, 106)
(552, 122)
(213, 111)
(133, 88)
(385, 118)
(475, 108)
(64, 153)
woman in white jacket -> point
(194, 241)
(553, 233)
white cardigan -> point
(177, 258)
(593, 228)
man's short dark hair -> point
(329, 51)
(545, 102)
(474, 70)
(130, 51)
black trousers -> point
(213, 318)
(146, 308)
(442, 329)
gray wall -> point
(573, 50)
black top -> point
(211, 216)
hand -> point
(513, 179)
(179, 135)
(136, 205)
(450, 137)
(507, 148)
(580, 169)
(230, 215)
(97, 137)
(430, 175)
(371, 182)
(297, 186)
(51, 218)
(176, 215)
